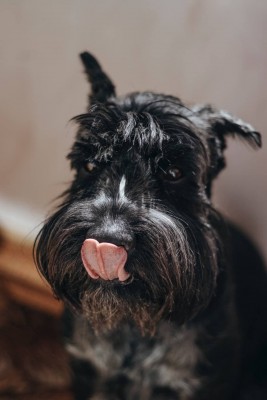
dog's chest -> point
(169, 359)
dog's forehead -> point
(114, 132)
(131, 144)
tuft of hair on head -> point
(102, 88)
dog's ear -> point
(223, 124)
(101, 86)
(219, 125)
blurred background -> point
(209, 51)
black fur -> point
(190, 322)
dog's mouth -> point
(104, 260)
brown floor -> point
(33, 364)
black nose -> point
(116, 233)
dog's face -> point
(135, 238)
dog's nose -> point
(119, 240)
(119, 237)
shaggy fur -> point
(190, 321)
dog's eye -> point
(172, 174)
(90, 167)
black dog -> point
(167, 300)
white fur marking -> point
(163, 218)
(122, 188)
(102, 198)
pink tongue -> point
(104, 260)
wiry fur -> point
(180, 287)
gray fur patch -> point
(168, 359)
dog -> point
(165, 299)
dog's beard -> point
(173, 270)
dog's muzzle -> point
(104, 260)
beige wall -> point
(203, 51)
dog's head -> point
(135, 237)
